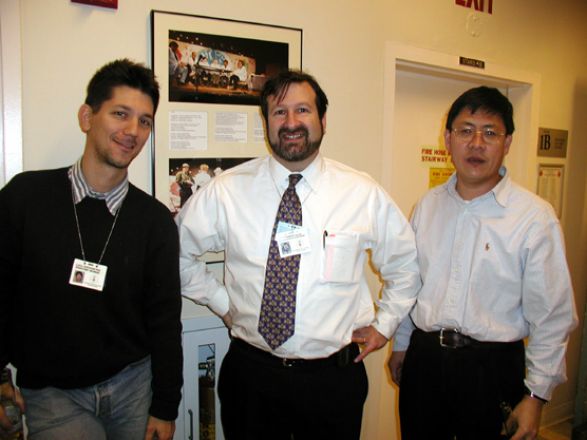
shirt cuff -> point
(383, 329)
(540, 386)
(219, 303)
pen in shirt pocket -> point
(324, 235)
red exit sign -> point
(478, 5)
(104, 3)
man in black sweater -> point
(89, 284)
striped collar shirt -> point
(81, 189)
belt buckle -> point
(442, 332)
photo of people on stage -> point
(187, 176)
(221, 69)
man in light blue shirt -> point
(494, 272)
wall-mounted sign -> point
(437, 176)
(552, 142)
(550, 185)
(104, 3)
(472, 62)
(478, 5)
(433, 156)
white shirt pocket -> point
(340, 257)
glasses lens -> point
(466, 134)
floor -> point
(561, 431)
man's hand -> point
(5, 424)
(370, 339)
(526, 417)
(158, 429)
(9, 393)
(395, 364)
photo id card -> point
(87, 274)
(291, 240)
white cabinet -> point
(205, 343)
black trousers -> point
(260, 398)
(185, 192)
(457, 392)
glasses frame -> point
(490, 141)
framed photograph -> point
(188, 175)
(211, 72)
(221, 69)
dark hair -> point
(487, 99)
(121, 73)
(279, 85)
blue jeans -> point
(116, 409)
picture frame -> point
(204, 114)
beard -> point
(295, 150)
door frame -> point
(11, 157)
(523, 89)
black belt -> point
(452, 338)
(341, 358)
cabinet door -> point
(203, 354)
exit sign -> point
(478, 5)
(104, 3)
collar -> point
(500, 192)
(82, 189)
(311, 175)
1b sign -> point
(552, 142)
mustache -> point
(285, 130)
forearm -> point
(200, 285)
(397, 301)
(545, 368)
(200, 232)
(395, 256)
(166, 363)
(548, 307)
(401, 338)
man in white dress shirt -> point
(239, 74)
(494, 272)
(313, 385)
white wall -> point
(10, 91)
(344, 42)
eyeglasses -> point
(466, 134)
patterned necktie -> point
(278, 308)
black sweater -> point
(65, 336)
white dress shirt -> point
(241, 72)
(495, 269)
(201, 178)
(236, 211)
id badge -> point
(291, 240)
(87, 274)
